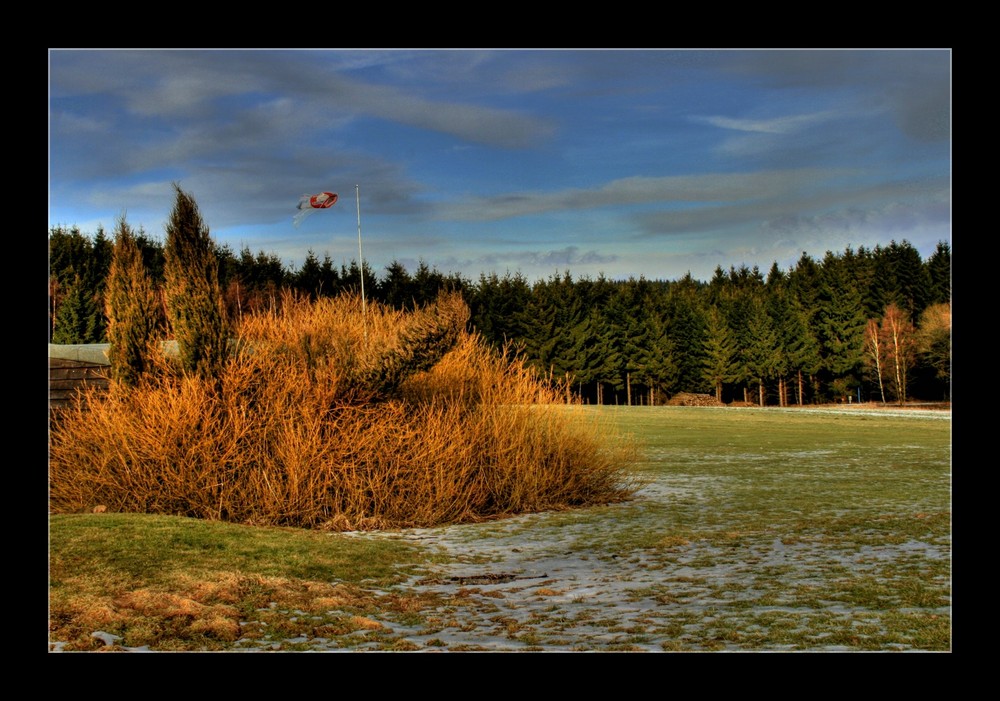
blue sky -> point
(624, 163)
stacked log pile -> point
(691, 399)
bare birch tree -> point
(875, 353)
(899, 337)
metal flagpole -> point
(361, 259)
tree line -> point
(858, 325)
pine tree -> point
(912, 278)
(427, 283)
(75, 318)
(498, 308)
(649, 353)
(551, 318)
(308, 279)
(131, 307)
(797, 353)
(803, 288)
(77, 272)
(840, 326)
(194, 297)
(397, 288)
(685, 322)
(762, 355)
(719, 363)
(939, 273)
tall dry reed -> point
(327, 417)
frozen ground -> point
(587, 581)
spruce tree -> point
(131, 308)
(307, 279)
(194, 297)
(939, 272)
(719, 360)
(762, 354)
(840, 326)
(75, 318)
(397, 289)
(685, 321)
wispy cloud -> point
(715, 187)
(774, 125)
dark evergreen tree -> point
(861, 267)
(78, 269)
(719, 359)
(733, 299)
(762, 357)
(329, 279)
(76, 316)
(498, 308)
(152, 255)
(803, 287)
(648, 354)
(309, 279)
(939, 273)
(912, 278)
(685, 322)
(228, 265)
(797, 353)
(397, 288)
(588, 357)
(351, 281)
(551, 320)
(621, 335)
(900, 278)
(194, 298)
(660, 360)
(803, 283)
(840, 326)
(427, 283)
(70, 253)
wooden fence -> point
(73, 367)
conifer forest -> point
(859, 325)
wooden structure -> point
(72, 367)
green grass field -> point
(825, 529)
(756, 530)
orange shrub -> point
(329, 418)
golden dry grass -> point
(329, 418)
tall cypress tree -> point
(131, 307)
(194, 298)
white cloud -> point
(774, 125)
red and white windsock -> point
(310, 203)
